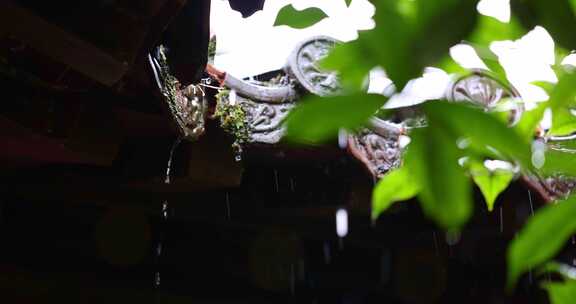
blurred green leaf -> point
(396, 185)
(561, 293)
(541, 238)
(291, 17)
(566, 271)
(562, 101)
(317, 119)
(481, 128)
(555, 16)
(490, 29)
(491, 183)
(348, 2)
(445, 194)
(558, 162)
(409, 35)
(529, 121)
(491, 61)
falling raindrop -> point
(501, 220)
(538, 153)
(292, 279)
(276, 184)
(342, 222)
(228, 206)
(453, 238)
(530, 276)
(164, 215)
(530, 201)
(436, 249)
(157, 279)
(327, 253)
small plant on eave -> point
(233, 120)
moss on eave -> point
(233, 120)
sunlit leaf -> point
(445, 193)
(561, 293)
(491, 183)
(541, 238)
(291, 17)
(317, 119)
(396, 185)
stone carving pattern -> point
(486, 92)
(265, 120)
(303, 65)
(378, 153)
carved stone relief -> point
(303, 65)
(481, 89)
(265, 120)
(379, 154)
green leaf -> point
(291, 17)
(562, 101)
(557, 17)
(481, 128)
(409, 36)
(445, 193)
(558, 162)
(529, 121)
(561, 293)
(490, 29)
(348, 2)
(541, 238)
(396, 185)
(317, 119)
(491, 61)
(566, 271)
(491, 183)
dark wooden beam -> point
(59, 44)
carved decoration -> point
(378, 153)
(485, 91)
(560, 186)
(303, 65)
(265, 120)
(187, 105)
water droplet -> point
(227, 203)
(276, 181)
(530, 201)
(436, 249)
(538, 153)
(157, 279)
(452, 238)
(501, 220)
(463, 143)
(327, 253)
(342, 222)
(238, 157)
